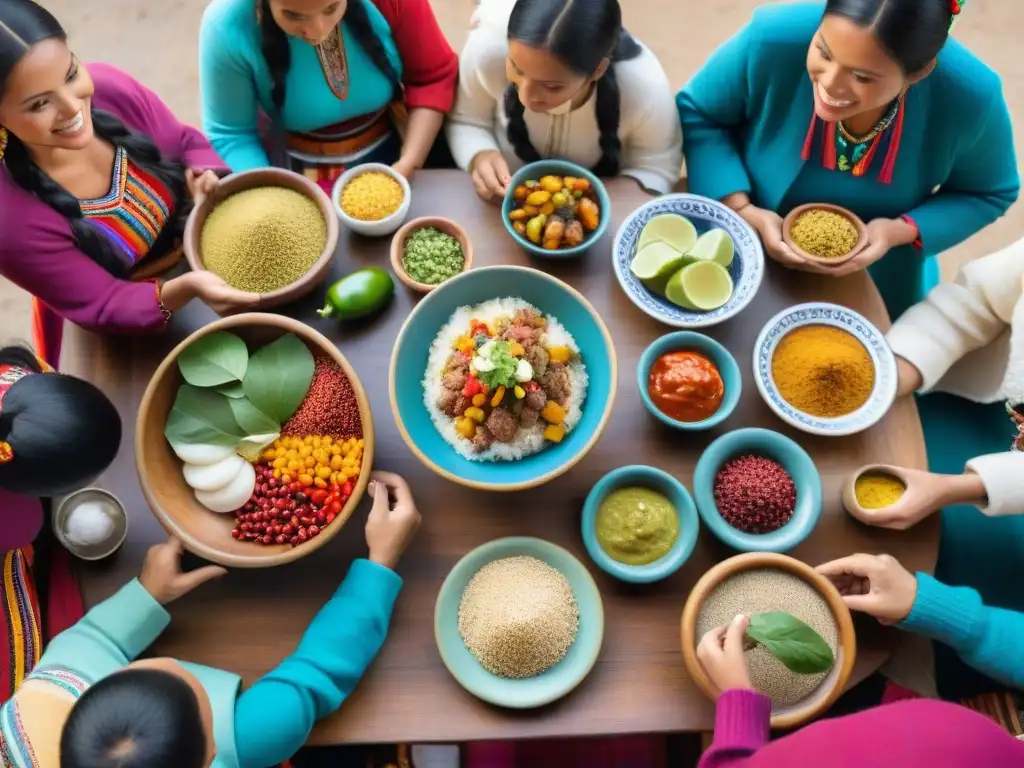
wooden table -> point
(250, 620)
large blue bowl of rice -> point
(428, 378)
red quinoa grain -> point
(754, 494)
(330, 407)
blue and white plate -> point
(705, 214)
(820, 313)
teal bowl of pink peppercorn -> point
(429, 250)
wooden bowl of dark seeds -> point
(759, 582)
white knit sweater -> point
(648, 125)
(967, 339)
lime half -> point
(703, 286)
(669, 228)
(655, 260)
(715, 246)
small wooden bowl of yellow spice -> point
(898, 498)
(268, 231)
(824, 233)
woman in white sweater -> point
(561, 79)
(962, 350)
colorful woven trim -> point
(21, 621)
(135, 210)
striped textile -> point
(133, 213)
(20, 618)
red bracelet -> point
(917, 240)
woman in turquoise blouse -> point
(860, 103)
(325, 84)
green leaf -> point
(217, 358)
(251, 419)
(202, 416)
(232, 389)
(278, 377)
(504, 373)
(792, 642)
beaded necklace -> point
(853, 153)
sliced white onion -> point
(232, 496)
(201, 453)
(211, 477)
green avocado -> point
(359, 294)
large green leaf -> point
(791, 641)
(278, 377)
(202, 416)
(251, 419)
(217, 358)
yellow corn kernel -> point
(306, 450)
(292, 466)
(323, 472)
(516, 349)
(309, 462)
(334, 478)
(479, 399)
(348, 461)
(499, 394)
(519, 392)
(277, 473)
(269, 454)
(308, 440)
(291, 453)
(466, 427)
(335, 461)
(474, 413)
(306, 479)
(360, 442)
(316, 441)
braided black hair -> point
(277, 54)
(912, 31)
(24, 23)
(580, 34)
(52, 420)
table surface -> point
(248, 621)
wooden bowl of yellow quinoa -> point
(824, 233)
(372, 199)
(268, 231)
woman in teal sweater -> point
(88, 703)
(860, 103)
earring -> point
(3, 142)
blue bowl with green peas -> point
(429, 250)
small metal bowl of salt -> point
(91, 523)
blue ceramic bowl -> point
(820, 313)
(690, 341)
(541, 168)
(660, 482)
(779, 448)
(746, 270)
(528, 692)
(409, 362)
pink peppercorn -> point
(330, 407)
(754, 494)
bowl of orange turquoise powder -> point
(372, 199)
(824, 233)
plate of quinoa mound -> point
(519, 622)
(825, 369)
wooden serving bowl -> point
(267, 177)
(831, 687)
(440, 223)
(862, 232)
(206, 533)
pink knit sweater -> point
(920, 733)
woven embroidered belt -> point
(322, 144)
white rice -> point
(528, 441)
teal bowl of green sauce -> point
(639, 524)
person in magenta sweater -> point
(909, 734)
(96, 180)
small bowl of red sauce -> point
(689, 381)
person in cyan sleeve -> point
(90, 703)
(319, 86)
(864, 104)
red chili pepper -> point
(473, 386)
(531, 386)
